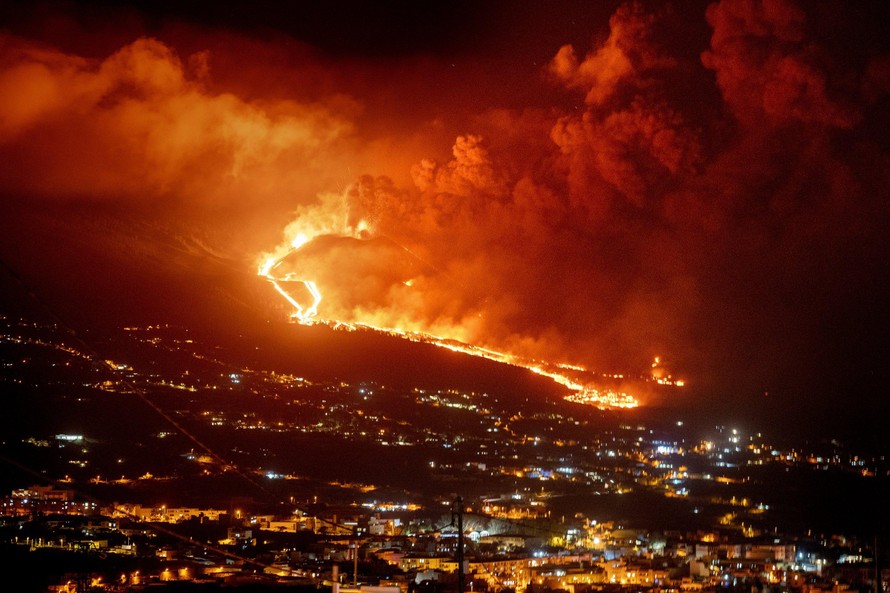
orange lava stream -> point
(560, 373)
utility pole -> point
(355, 558)
(459, 510)
(84, 578)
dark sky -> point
(598, 183)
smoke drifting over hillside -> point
(705, 182)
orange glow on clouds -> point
(143, 123)
(668, 179)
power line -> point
(94, 358)
(122, 511)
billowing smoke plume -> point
(143, 126)
(719, 203)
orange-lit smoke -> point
(596, 242)
(692, 195)
(144, 125)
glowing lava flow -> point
(561, 373)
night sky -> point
(598, 183)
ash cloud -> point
(142, 126)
